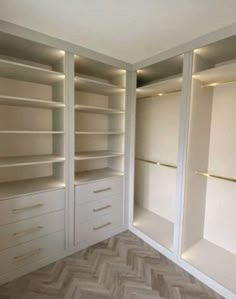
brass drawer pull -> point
(101, 226)
(27, 232)
(15, 211)
(103, 208)
(28, 255)
(102, 190)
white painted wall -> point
(220, 222)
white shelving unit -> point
(29, 102)
(96, 155)
(161, 87)
(156, 150)
(99, 120)
(209, 239)
(32, 115)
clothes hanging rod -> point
(218, 83)
(216, 176)
(156, 163)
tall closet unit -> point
(99, 156)
(209, 228)
(32, 152)
(156, 149)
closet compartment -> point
(156, 149)
(99, 120)
(99, 149)
(32, 116)
(209, 235)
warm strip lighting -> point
(218, 83)
(161, 94)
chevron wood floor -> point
(123, 267)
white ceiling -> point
(129, 30)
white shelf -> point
(169, 85)
(209, 259)
(95, 175)
(24, 72)
(28, 102)
(98, 133)
(98, 110)
(217, 74)
(29, 160)
(24, 187)
(96, 86)
(157, 228)
(96, 155)
(30, 132)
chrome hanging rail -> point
(156, 163)
(216, 176)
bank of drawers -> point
(98, 209)
(29, 252)
(31, 228)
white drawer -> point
(26, 230)
(87, 211)
(97, 190)
(15, 209)
(96, 228)
(29, 252)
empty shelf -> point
(218, 74)
(209, 259)
(28, 102)
(95, 175)
(157, 228)
(19, 71)
(98, 133)
(24, 187)
(160, 87)
(30, 132)
(96, 155)
(96, 86)
(98, 110)
(29, 160)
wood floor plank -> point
(122, 267)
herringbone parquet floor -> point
(123, 267)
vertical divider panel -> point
(182, 150)
(130, 145)
(70, 140)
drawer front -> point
(97, 190)
(15, 209)
(29, 252)
(26, 230)
(96, 228)
(87, 211)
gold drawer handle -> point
(103, 208)
(28, 255)
(27, 232)
(101, 226)
(15, 211)
(102, 190)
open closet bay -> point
(100, 103)
(209, 228)
(156, 149)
